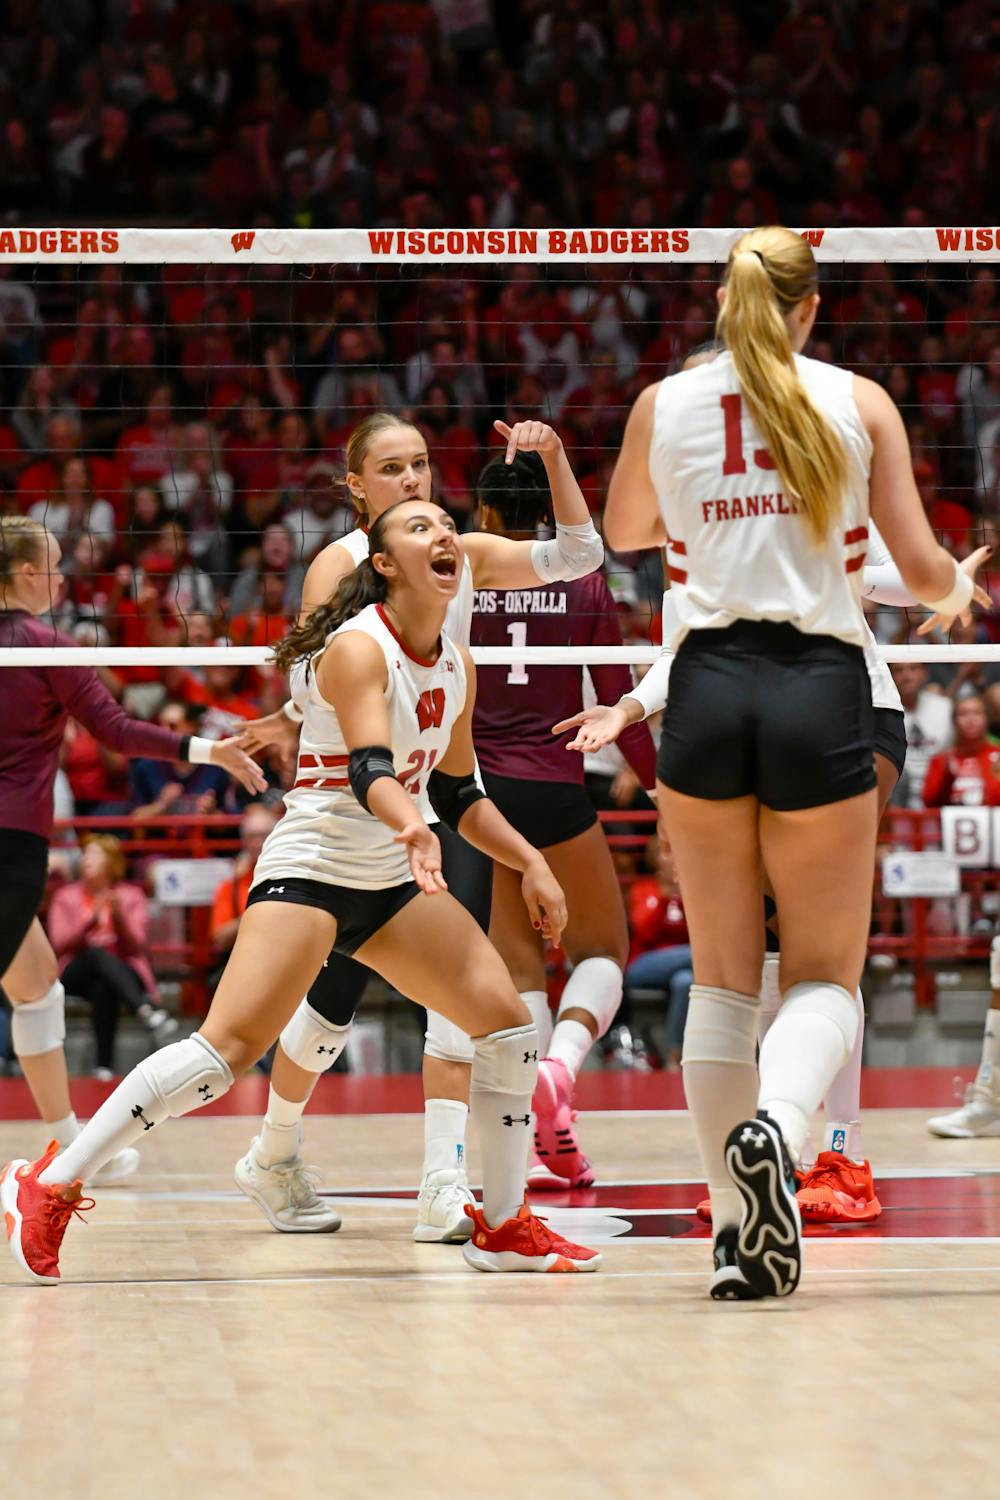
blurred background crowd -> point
(182, 429)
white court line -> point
(349, 1279)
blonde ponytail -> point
(770, 271)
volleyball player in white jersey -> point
(388, 461)
(756, 471)
(354, 865)
(839, 1187)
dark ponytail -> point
(353, 594)
(519, 491)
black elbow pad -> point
(452, 796)
(367, 765)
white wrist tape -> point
(291, 710)
(958, 597)
(573, 552)
(200, 751)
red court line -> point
(401, 1093)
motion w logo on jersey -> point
(430, 709)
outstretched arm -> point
(575, 550)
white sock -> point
(537, 1002)
(64, 1131)
(504, 1074)
(172, 1082)
(843, 1099)
(280, 1131)
(571, 1041)
(720, 1084)
(124, 1116)
(808, 1044)
(770, 996)
(990, 1060)
(445, 1122)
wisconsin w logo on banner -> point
(242, 240)
(430, 709)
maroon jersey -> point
(35, 703)
(517, 705)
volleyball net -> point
(176, 402)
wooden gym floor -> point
(194, 1354)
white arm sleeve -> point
(573, 552)
(880, 578)
(651, 692)
(883, 583)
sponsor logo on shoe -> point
(754, 1137)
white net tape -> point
(486, 656)
(424, 247)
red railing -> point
(916, 931)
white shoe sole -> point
(246, 1186)
(121, 1166)
(944, 1131)
(769, 1247)
(509, 1260)
(13, 1221)
(443, 1234)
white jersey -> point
(733, 539)
(326, 834)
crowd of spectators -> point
(182, 429)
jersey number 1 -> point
(518, 633)
(734, 462)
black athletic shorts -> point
(543, 812)
(890, 736)
(339, 986)
(762, 709)
(359, 914)
(24, 863)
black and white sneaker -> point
(728, 1284)
(769, 1244)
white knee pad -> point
(814, 997)
(995, 964)
(444, 1040)
(721, 1026)
(186, 1075)
(506, 1062)
(312, 1043)
(39, 1026)
(595, 986)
